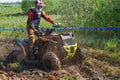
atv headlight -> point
(71, 49)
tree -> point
(51, 6)
(26, 4)
(76, 12)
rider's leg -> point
(31, 37)
(31, 42)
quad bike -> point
(51, 50)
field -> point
(103, 53)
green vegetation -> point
(15, 66)
(26, 5)
(12, 17)
(99, 13)
(51, 6)
(67, 77)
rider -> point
(34, 15)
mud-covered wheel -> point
(80, 56)
(51, 61)
(18, 54)
(5, 49)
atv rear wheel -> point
(51, 61)
(18, 54)
(5, 50)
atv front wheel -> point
(51, 61)
(79, 56)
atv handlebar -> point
(47, 31)
(50, 30)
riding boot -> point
(31, 52)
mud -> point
(93, 68)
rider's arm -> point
(30, 19)
(46, 17)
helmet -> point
(39, 3)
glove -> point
(57, 25)
(54, 24)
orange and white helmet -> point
(39, 3)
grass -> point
(67, 77)
(15, 67)
(11, 17)
(99, 41)
(116, 57)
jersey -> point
(35, 15)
